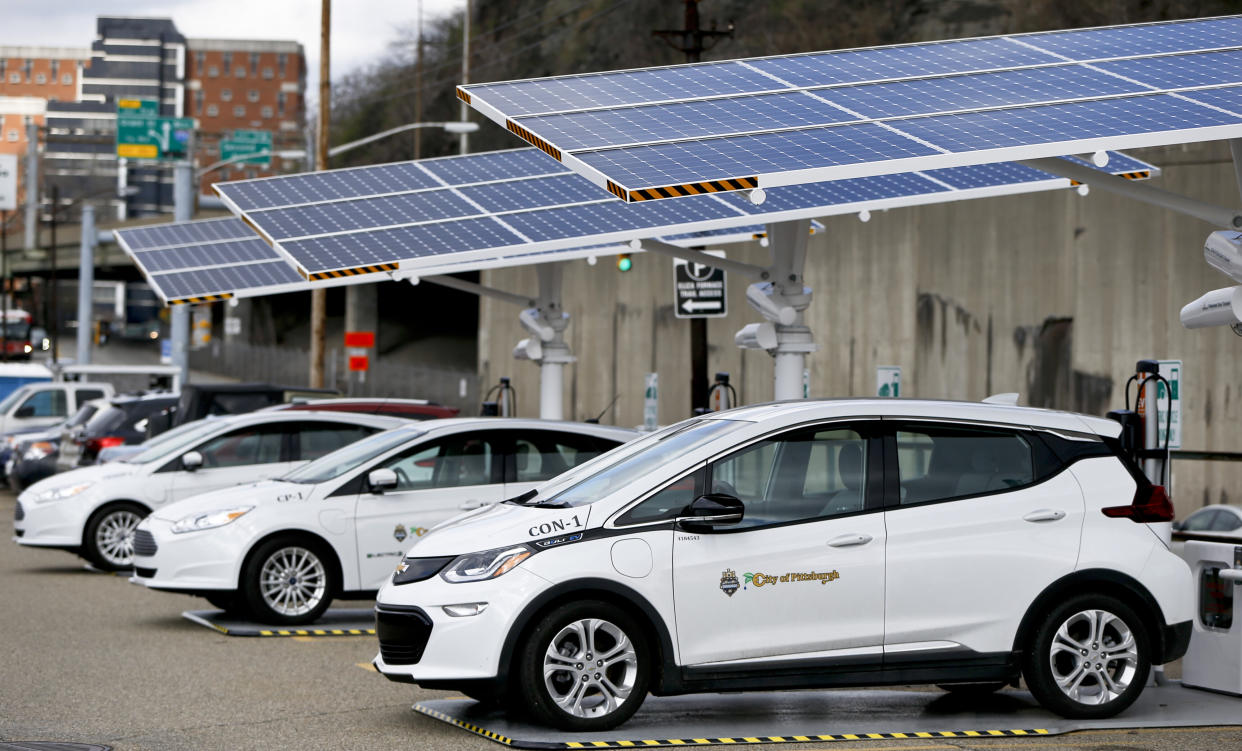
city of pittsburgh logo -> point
(729, 582)
(400, 533)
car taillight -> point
(98, 444)
(1150, 505)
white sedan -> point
(281, 550)
(93, 511)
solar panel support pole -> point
(86, 283)
(179, 320)
(1219, 216)
(1235, 148)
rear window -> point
(941, 462)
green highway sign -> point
(137, 108)
(162, 138)
(243, 142)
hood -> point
(501, 524)
(252, 494)
(93, 474)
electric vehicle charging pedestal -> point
(1214, 660)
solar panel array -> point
(486, 208)
(722, 126)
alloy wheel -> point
(590, 668)
(114, 537)
(293, 581)
(1094, 657)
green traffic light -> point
(624, 262)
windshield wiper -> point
(523, 498)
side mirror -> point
(1179, 526)
(191, 460)
(24, 412)
(381, 480)
(711, 510)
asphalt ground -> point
(90, 658)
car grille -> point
(403, 632)
(144, 543)
(19, 513)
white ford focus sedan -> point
(283, 549)
(94, 510)
(805, 544)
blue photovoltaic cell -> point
(988, 175)
(1117, 163)
(1145, 39)
(978, 91)
(365, 213)
(739, 156)
(712, 117)
(185, 233)
(625, 87)
(1180, 71)
(213, 254)
(884, 63)
(1052, 123)
(1226, 97)
(316, 187)
(535, 193)
(836, 192)
(225, 279)
(388, 245)
(707, 235)
(493, 165)
(615, 216)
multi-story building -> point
(30, 77)
(245, 85)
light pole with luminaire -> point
(453, 126)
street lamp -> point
(459, 127)
(289, 154)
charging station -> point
(1214, 660)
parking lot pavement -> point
(91, 658)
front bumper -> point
(195, 561)
(49, 525)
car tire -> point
(972, 689)
(289, 581)
(584, 667)
(1089, 657)
(108, 539)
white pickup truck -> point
(48, 403)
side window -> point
(453, 462)
(667, 502)
(46, 404)
(543, 454)
(1201, 521)
(807, 474)
(242, 447)
(940, 462)
(318, 438)
(85, 395)
(1225, 522)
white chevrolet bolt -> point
(282, 550)
(93, 511)
(805, 544)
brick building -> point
(245, 85)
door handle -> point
(1045, 515)
(845, 541)
(471, 505)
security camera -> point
(528, 349)
(1223, 251)
(1220, 307)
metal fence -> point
(457, 387)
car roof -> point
(383, 422)
(789, 411)
(492, 423)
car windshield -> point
(348, 458)
(11, 399)
(173, 441)
(599, 477)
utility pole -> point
(693, 42)
(4, 292)
(465, 74)
(54, 323)
(183, 211)
(319, 299)
(86, 284)
(418, 85)
(31, 228)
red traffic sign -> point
(362, 339)
(359, 362)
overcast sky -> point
(361, 29)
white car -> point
(281, 550)
(93, 511)
(805, 544)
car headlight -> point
(210, 519)
(59, 494)
(489, 564)
(39, 450)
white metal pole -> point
(86, 284)
(788, 369)
(183, 211)
(551, 390)
(31, 229)
(465, 75)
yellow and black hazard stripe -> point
(759, 739)
(341, 273)
(685, 189)
(204, 298)
(463, 95)
(506, 740)
(317, 632)
(533, 140)
(1139, 175)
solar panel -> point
(734, 125)
(560, 216)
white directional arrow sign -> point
(699, 289)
